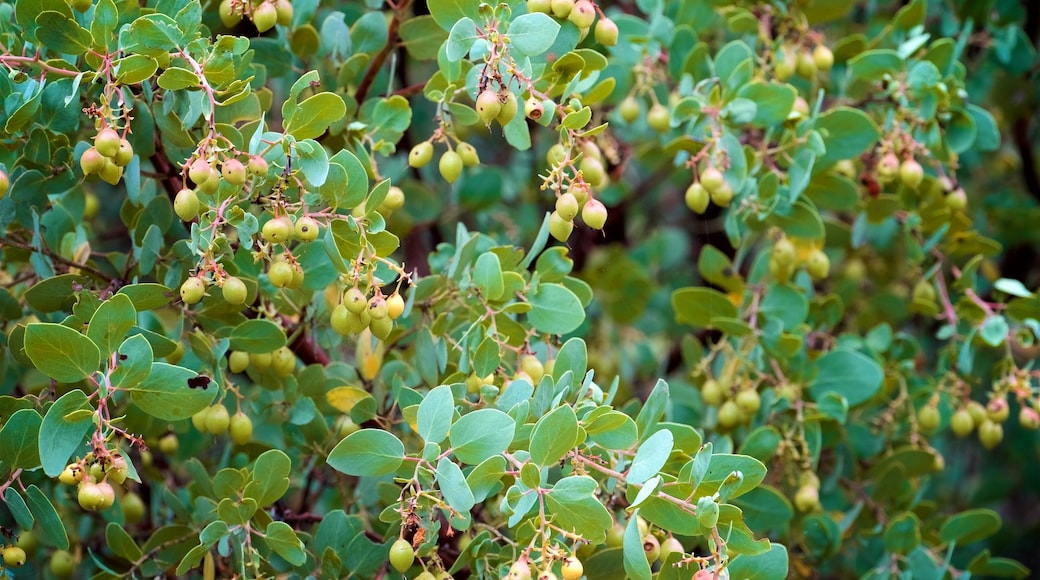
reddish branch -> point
(391, 41)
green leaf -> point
(771, 565)
(52, 530)
(902, 533)
(61, 34)
(453, 486)
(846, 133)
(487, 358)
(447, 12)
(651, 456)
(574, 357)
(970, 526)
(178, 78)
(257, 336)
(421, 36)
(134, 364)
(555, 309)
(994, 330)
(774, 102)
(62, 431)
(434, 416)
(120, 542)
(270, 478)
(20, 440)
(284, 541)
(765, 508)
(785, 303)
(873, 65)
(487, 275)
(554, 435)
(461, 38)
(655, 406)
(60, 352)
(110, 323)
(54, 294)
(19, 511)
(481, 434)
(613, 430)
(486, 478)
(532, 34)
(368, 452)
(574, 507)
(167, 394)
(849, 374)
(720, 468)
(313, 161)
(636, 564)
(147, 296)
(699, 306)
(313, 116)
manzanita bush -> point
(291, 289)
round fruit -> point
(14, 557)
(377, 308)
(394, 306)
(911, 173)
(510, 106)
(217, 419)
(928, 419)
(592, 171)
(62, 564)
(283, 362)
(107, 142)
(90, 496)
(257, 166)
(488, 106)
(697, 198)
(749, 401)
(594, 214)
(90, 162)
(957, 200)
(888, 167)
(71, 475)
(652, 548)
(277, 230)
(729, 415)
(711, 179)
(117, 469)
(307, 229)
(234, 290)
(562, 8)
(818, 265)
(108, 495)
(401, 555)
(421, 154)
(805, 65)
(583, 14)
(238, 361)
(200, 171)
(355, 300)
(468, 154)
(96, 472)
(924, 292)
(543, 6)
(629, 109)
(125, 154)
(425, 576)
(962, 424)
(572, 569)
(186, 204)
(567, 206)
(28, 541)
(807, 498)
(520, 570)
(783, 252)
(233, 171)
(260, 361)
(990, 434)
(560, 228)
(228, 15)
(659, 118)
(557, 154)
(450, 166)
(723, 195)
(265, 16)
(606, 32)
(783, 65)
(198, 420)
(133, 508)
(394, 199)
(111, 173)
(280, 274)
(1029, 418)
(823, 57)
(712, 392)
(533, 108)
(193, 289)
(241, 428)
(533, 367)
(671, 546)
(998, 410)
(340, 319)
(285, 12)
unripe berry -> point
(488, 106)
(962, 423)
(567, 206)
(606, 32)
(533, 108)
(233, 171)
(401, 555)
(283, 362)
(957, 200)
(468, 154)
(823, 58)
(594, 214)
(711, 179)
(888, 167)
(258, 166)
(381, 327)
(659, 118)
(911, 173)
(592, 171)
(355, 300)
(280, 274)
(998, 410)
(277, 230)
(923, 292)
(117, 470)
(234, 290)
(71, 475)
(340, 320)
(284, 10)
(200, 171)
(111, 173)
(807, 499)
(125, 154)
(62, 564)
(395, 306)
(238, 361)
(186, 204)
(510, 106)
(697, 198)
(783, 65)
(783, 252)
(729, 415)
(307, 229)
(377, 308)
(990, 434)
(228, 15)
(557, 154)
(560, 228)
(90, 496)
(217, 419)
(394, 199)
(749, 401)
(421, 154)
(928, 419)
(520, 570)
(818, 265)
(1029, 418)
(582, 14)
(723, 195)
(260, 361)
(543, 6)
(572, 569)
(652, 548)
(671, 546)
(629, 109)
(107, 142)
(265, 16)
(198, 420)
(712, 392)
(133, 508)
(241, 428)
(91, 161)
(14, 557)
(193, 289)
(562, 8)
(450, 166)
(805, 65)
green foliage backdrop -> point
(544, 288)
